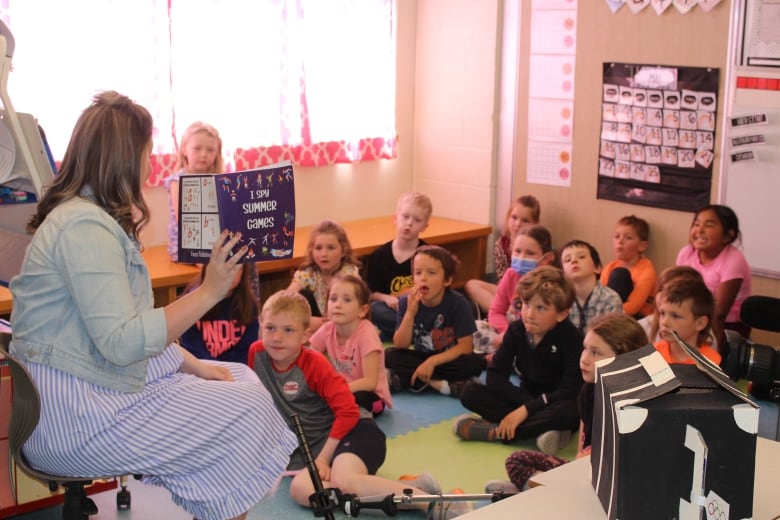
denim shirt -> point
(83, 302)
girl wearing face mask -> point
(531, 248)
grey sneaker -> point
(424, 481)
(447, 509)
(501, 486)
(553, 441)
(470, 428)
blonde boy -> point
(685, 307)
(631, 274)
(347, 449)
(389, 270)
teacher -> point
(118, 396)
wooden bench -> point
(5, 301)
(466, 240)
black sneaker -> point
(393, 381)
(456, 387)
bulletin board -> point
(656, 146)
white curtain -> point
(308, 80)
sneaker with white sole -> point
(470, 428)
(447, 509)
(423, 481)
(501, 486)
(553, 441)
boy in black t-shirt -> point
(389, 266)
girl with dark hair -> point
(711, 251)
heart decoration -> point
(660, 5)
(707, 5)
(685, 5)
(614, 5)
(637, 5)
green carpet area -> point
(454, 463)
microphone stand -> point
(324, 500)
(352, 504)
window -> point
(312, 81)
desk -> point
(566, 492)
(466, 240)
(5, 301)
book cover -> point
(259, 204)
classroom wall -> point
(455, 103)
(447, 99)
(694, 39)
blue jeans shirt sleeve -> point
(110, 287)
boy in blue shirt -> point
(437, 322)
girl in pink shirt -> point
(725, 270)
(352, 343)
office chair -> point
(25, 413)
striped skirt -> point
(217, 446)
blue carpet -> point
(414, 411)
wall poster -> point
(657, 135)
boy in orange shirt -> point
(631, 275)
(685, 306)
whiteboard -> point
(751, 171)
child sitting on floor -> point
(545, 348)
(582, 265)
(630, 274)
(711, 251)
(685, 307)
(352, 344)
(328, 253)
(389, 271)
(347, 446)
(437, 322)
(225, 332)
(532, 248)
(650, 323)
(608, 336)
(524, 211)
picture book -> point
(259, 204)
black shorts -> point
(367, 442)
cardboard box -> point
(673, 442)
